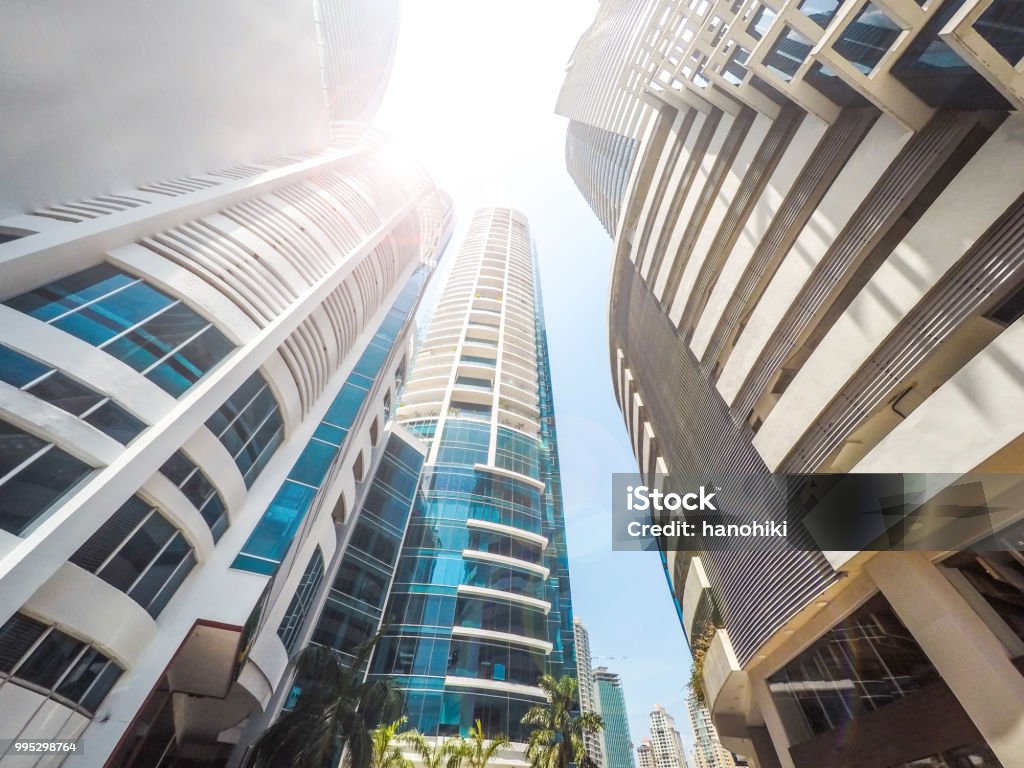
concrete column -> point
(972, 661)
(764, 754)
(774, 731)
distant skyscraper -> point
(480, 605)
(665, 741)
(616, 743)
(587, 688)
(206, 311)
(645, 754)
(708, 750)
(818, 270)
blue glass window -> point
(54, 387)
(1002, 26)
(301, 602)
(34, 474)
(735, 70)
(829, 83)
(495, 661)
(143, 327)
(501, 616)
(518, 453)
(65, 668)
(866, 39)
(263, 552)
(273, 534)
(198, 489)
(820, 12)
(473, 381)
(140, 553)
(762, 22)
(250, 426)
(937, 73)
(789, 52)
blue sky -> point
(472, 94)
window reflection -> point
(865, 662)
(155, 334)
(788, 53)
(866, 39)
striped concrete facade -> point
(818, 268)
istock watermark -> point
(899, 512)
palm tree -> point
(557, 736)
(386, 754)
(447, 754)
(336, 712)
(479, 750)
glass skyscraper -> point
(617, 745)
(480, 606)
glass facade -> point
(249, 425)
(157, 335)
(788, 53)
(302, 601)
(938, 75)
(56, 388)
(52, 662)
(866, 39)
(270, 540)
(198, 489)
(138, 551)
(355, 601)
(34, 474)
(477, 594)
(618, 747)
(860, 665)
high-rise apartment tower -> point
(479, 607)
(818, 269)
(587, 689)
(645, 754)
(665, 741)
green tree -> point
(446, 754)
(336, 711)
(386, 752)
(558, 729)
(479, 749)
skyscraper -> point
(645, 754)
(665, 742)
(588, 690)
(817, 271)
(708, 751)
(603, 98)
(205, 310)
(616, 743)
(480, 605)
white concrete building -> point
(645, 754)
(666, 745)
(587, 688)
(204, 316)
